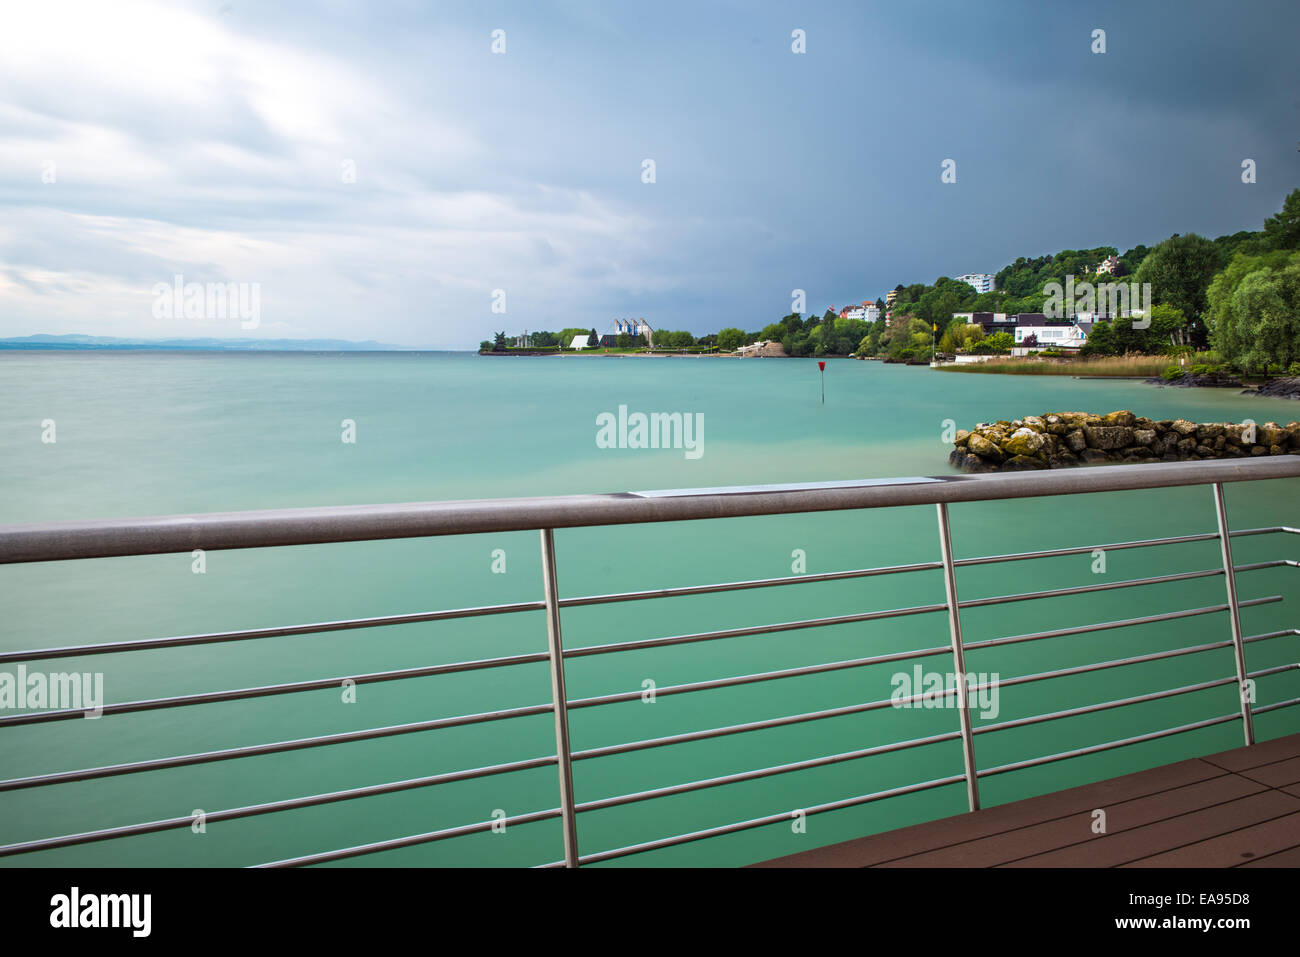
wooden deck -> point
(1240, 808)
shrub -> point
(1171, 373)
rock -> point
(1108, 437)
(1285, 388)
(1270, 433)
(1024, 442)
(1065, 439)
(1023, 463)
(984, 448)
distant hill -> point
(203, 344)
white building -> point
(982, 282)
(634, 328)
(580, 342)
(1057, 335)
(868, 312)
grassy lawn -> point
(1144, 366)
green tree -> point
(730, 339)
(499, 342)
(624, 341)
(567, 336)
(1282, 231)
(1180, 271)
(593, 340)
(1101, 341)
(1228, 325)
(1269, 303)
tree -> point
(1180, 271)
(1282, 231)
(1101, 341)
(996, 343)
(567, 336)
(1230, 327)
(1269, 303)
(499, 342)
(593, 340)
(961, 336)
(624, 340)
(730, 339)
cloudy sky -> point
(216, 140)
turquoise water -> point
(145, 434)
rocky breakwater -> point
(1061, 439)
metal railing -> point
(172, 534)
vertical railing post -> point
(1234, 613)
(559, 698)
(958, 659)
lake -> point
(158, 433)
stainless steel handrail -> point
(120, 537)
(58, 541)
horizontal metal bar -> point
(739, 776)
(782, 817)
(678, 592)
(687, 736)
(751, 630)
(58, 541)
(209, 697)
(1273, 707)
(1272, 634)
(1086, 549)
(1089, 589)
(1276, 670)
(1109, 745)
(426, 838)
(292, 687)
(275, 747)
(1101, 665)
(144, 644)
(1121, 623)
(1105, 705)
(729, 682)
(270, 807)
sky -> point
(376, 171)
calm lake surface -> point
(150, 433)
